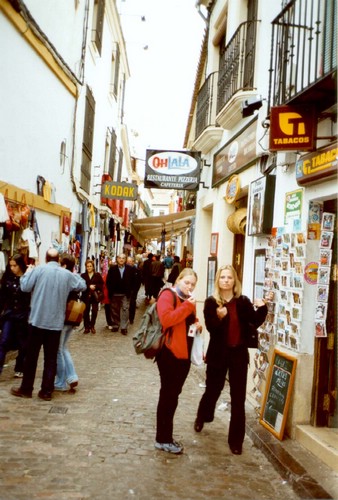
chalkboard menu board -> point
(278, 393)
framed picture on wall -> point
(261, 201)
(214, 244)
(212, 269)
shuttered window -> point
(87, 144)
(112, 155)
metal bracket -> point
(203, 184)
(205, 164)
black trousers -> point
(90, 314)
(173, 373)
(49, 340)
(236, 364)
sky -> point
(163, 53)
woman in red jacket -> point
(176, 313)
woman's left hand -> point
(198, 326)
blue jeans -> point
(65, 371)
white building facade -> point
(265, 189)
(64, 69)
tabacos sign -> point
(172, 170)
(291, 129)
(318, 165)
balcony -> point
(207, 134)
(304, 54)
(236, 74)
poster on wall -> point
(293, 210)
(261, 202)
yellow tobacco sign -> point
(119, 191)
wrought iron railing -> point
(206, 104)
(237, 63)
(303, 47)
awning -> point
(150, 228)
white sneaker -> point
(18, 374)
(173, 447)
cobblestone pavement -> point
(99, 442)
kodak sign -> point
(119, 191)
(291, 129)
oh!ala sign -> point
(172, 169)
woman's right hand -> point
(221, 312)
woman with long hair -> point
(91, 296)
(229, 317)
(176, 309)
(14, 308)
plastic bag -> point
(197, 351)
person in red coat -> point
(173, 360)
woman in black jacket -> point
(14, 308)
(92, 296)
(229, 318)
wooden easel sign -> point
(278, 393)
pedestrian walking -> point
(92, 296)
(229, 316)
(120, 284)
(14, 308)
(173, 360)
(157, 275)
(137, 284)
(168, 262)
(66, 376)
(50, 286)
(175, 271)
(146, 276)
(106, 300)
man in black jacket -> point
(120, 283)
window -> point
(119, 170)
(115, 68)
(98, 18)
(87, 144)
(112, 155)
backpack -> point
(149, 337)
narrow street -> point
(99, 442)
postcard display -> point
(283, 291)
(324, 271)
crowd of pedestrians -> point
(33, 302)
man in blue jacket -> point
(50, 285)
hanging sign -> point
(291, 128)
(172, 169)
(119, 190)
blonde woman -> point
(227, 315)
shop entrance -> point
(325, 383)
